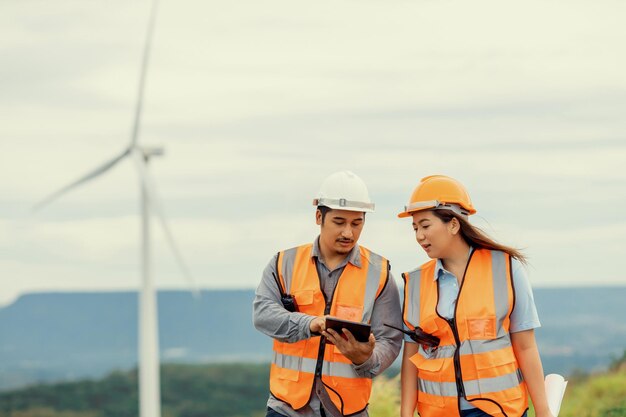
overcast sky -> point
(256, 102)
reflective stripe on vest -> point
(301, 364)
(474, 387)
(295, 365)
(486, 365)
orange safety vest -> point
(295, 365)
(475, 359)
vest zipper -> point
(320, 352)
(458, 375)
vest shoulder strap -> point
(284, 265)
(417, 272)
(412, 291)
(381, 265)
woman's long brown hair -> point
(475, 237)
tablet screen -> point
(360, 331)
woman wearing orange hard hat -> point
(469, 313)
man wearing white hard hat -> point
(318, 371)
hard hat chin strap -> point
(342, 202)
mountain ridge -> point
(64, 336)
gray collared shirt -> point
(272, 319)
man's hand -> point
(318, 325)
(356, 351)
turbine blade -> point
(155, 204)
(142, 73)
(91, 175)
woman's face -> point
(433, 235)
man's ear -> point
(318, 217)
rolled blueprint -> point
(555, 389)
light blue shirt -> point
(523, 317)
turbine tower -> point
(149, 375)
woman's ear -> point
(454, 226)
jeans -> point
(272, 413)
(475, 412)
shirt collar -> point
(354, 257)
(439, 269)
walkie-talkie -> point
(419, 336)
(289, 302)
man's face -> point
(340, 230)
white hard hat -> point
(344, 190)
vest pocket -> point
(340, 368)
(481, 328)
(305, 300)
(288, 359)
(429, 324)
(348, 312)
(288, 374)
(429, 380)
(499, 373)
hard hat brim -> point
(343, 204)
(344, 208)
(409, 210)
(455, 208)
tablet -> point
(360, 331)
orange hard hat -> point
(440, 193)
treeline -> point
(228, 390)
(241, 390)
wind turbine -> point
(149, 375)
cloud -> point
(256, 103)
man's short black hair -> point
(324, 210)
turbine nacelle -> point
(149, 151)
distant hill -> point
(54, 336)
(64, 336)
(225, 390)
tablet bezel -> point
(360, 331)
